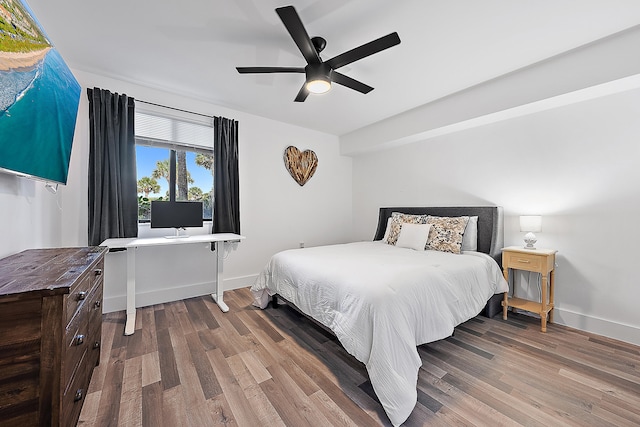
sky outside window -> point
(147, 157)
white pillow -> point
(413, 236)
(385, 239)
(470, 236)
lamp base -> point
(530, 240)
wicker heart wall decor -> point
(301, 165)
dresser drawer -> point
(95, 326)
(80, 292)
(77, 296)
(75, 345)
(94, 303)
(74, 395)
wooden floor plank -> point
(296, 397)
(111, 395)
(174, 407)
(192, 391)
(260, 404)
(189, 364)
(149, 342)
(332, 412)
(221, 412)
(288, 413)
(200, 315)
(131, 404)
(208, 380)
(111, 324)
(151, 368)
(256, 369)
(90, 408)
(152, 405)
(167, 359)
(231, 388)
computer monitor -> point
(176, 214)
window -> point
(176, 150)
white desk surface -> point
(135, 242)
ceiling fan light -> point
(318, 85)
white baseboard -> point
(159, 296)
(608, 328)
(239, 282)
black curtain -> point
(226, 193)
(113, 202)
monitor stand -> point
(177, 235)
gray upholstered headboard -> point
(490, 224)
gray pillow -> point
(470, 236)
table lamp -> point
(530, 224)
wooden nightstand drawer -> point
(522, 261)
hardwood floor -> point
(188, 364)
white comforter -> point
(382, 301)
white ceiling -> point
(192, 47)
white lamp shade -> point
(532, 223)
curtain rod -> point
(173, 108)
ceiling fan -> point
(320, 74)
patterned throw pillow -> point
(446, 233)
(397, 219)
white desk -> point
(132, 244)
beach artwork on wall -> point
(39, 98)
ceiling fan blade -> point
(365, 50)
(343, 80)
(252, 70)
(292, 22)
(302, 95)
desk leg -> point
(129, 327)
(217, 296)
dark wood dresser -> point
(50, 331)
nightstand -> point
(541, 261)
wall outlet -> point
(301, 244)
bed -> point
(382, 300)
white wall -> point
(577, 165)
(29, 215)
(276, 213)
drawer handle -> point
(96, 345)
(82, 295)
(79, 339)
(78, 395)
(525, 261)
(98, 271)
(97, 304)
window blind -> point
(175, 133)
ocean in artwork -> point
(14, 85)
(39, 99)
(36, 129)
